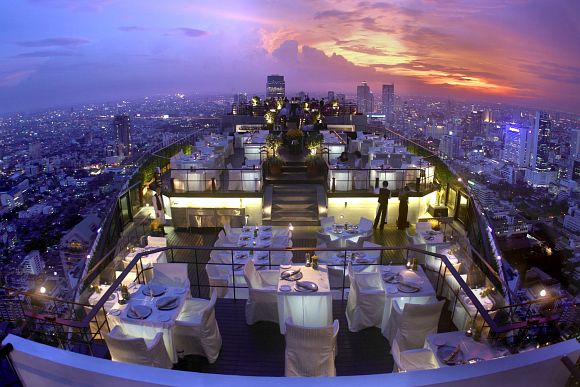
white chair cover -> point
(326, 222)
(416, 322)
(171, 274)
(262, 303)
(156, 241)
(196, 330)
(136, 350)
(398, 305)
(366, 301)
(234, 180)
(233, 234)
(310, 351)
(218, 278)
(412, 359)
(365, 225)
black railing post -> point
(213, 184)
(376, 182)
(333, 189)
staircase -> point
(296, 204)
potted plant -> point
(273, 143)
(314, 164)
(274, 164)
(294, 139)
(313, 142)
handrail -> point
(475, 301)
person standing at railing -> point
(158, 205)
(402, 222)
(384, 195)
(357, 160)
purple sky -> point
(57, 52)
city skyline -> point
(59, 52)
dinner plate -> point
(164, 318)
(167, 303)
(179, 291)
(305, 286)
(285, 288)
(139, 312)
(438, 341)
(114, 312)
(153, 290)
(112, 297)
(392, 278)
(406, 288)
(285, 267)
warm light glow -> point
(543, 293)
(42, 290)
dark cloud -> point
(55, 42)
(46, 54)
(365, 50)
(192, 32)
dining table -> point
(306, 307)
(344, 231)
(466, 349)
(395, 277)
(151, 309)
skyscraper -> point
(275, 87)
(389, 102)
(474, 124)
(541, 142)
(364, 98)
(122, 125)
(330, 96)
(518, 145)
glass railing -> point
(248, 179)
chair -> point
(171, 274)
(97, 323)
(326, 222)
(366, 301)
(326, 239)
(310, 351)
(415, 322)
(156, 241)
(233, 234)
(136, 350)
(234, 180)
(218, 278)
(365, 225)
(196, 330)
(262, 303)
(412, 359)
(375, 255)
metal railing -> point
(249, 179)
(341, 179)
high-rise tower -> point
(275, 87)
(123, 128)
(364, 98)
(389, 102)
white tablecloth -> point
(309, 309)
(393, 292)
(147, 260)
(337, 231)
(95, 297)
(159, 320)
(470, 348)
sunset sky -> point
(57, 52)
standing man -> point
(402, 222)
(158, 205)
(384, 195)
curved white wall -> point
(41, 365)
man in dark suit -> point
(158, 205)
(384, 195)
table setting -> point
(304, 295)
(151, 308)
(406, 286)
(454, 348)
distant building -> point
(35, 150)
(32, 263)
(341, 98)
(488, 116)
(517, 148)
(572, 219)
(575, 143)
(330, 96)
(450, 146)
(541, 142)
(576, 170)
(275, 87)
(122, 125)
(364, 98)
(485, 196)
(474, 124)
(388, 97)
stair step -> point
(294, 206)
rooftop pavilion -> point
(221, 295)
